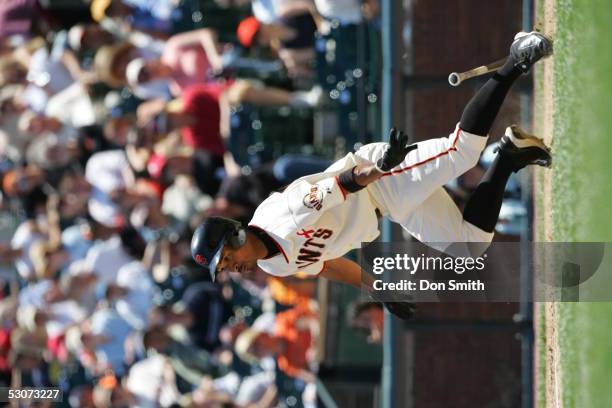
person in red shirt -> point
(201, 120)
(197, 116)
(5, 348)
(196, 119)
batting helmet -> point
(210, 238)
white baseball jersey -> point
(313, 220)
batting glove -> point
(399, 305)
(396, 150)
(401, 310)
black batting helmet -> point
(210, 238)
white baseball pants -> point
(412, 194)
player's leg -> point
(434, 163)
(482, 109)
(517, 150)
(437, 161)
(438, 223)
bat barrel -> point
(455, 78)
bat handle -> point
(455, 79)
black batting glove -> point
(401, 310)
(399, 305)
(396, 151)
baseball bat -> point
(456, 78)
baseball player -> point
(319, 218)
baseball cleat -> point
(528, 48)
(523, 149)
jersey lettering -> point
(311, 242)
(308, 256)
(323, 233)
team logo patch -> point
(314, 198)
(201, 260)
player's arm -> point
(358, 177)
(308, 201)
(345, 271)
(353, 180)
(206, 38)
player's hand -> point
(402, 310)
(396, 151)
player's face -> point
(241, 260)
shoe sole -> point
(522, 34)
(522, 140)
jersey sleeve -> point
(308, 201)
(311, 269)
(283, 269)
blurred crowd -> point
(121, 128)
(116, 123)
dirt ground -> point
(544, 126)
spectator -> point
(153, 17)
(81, 397)
(202, 311)
(369, 318)
(292, 35)
(141, 73)
(197, 117)
(291, 342)
(48, 70)
(183, 200)
(101, 188)
(209, 312)
(115, 188)
(8, 255)
(74, 191)
(53, 145)
(85, 39)
(118, 130)
(136, 305)
(12, 71)
(189, 363)
(107, 256)
(42, 219)
(111, 62)
(13, 143)
(112, 330)
(80, 286)
(188, 59)
(16, 17)
(23, 182)
(347, 11)
(152, 382)
(110, 393)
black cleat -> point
(523, 149)
(528, 48)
